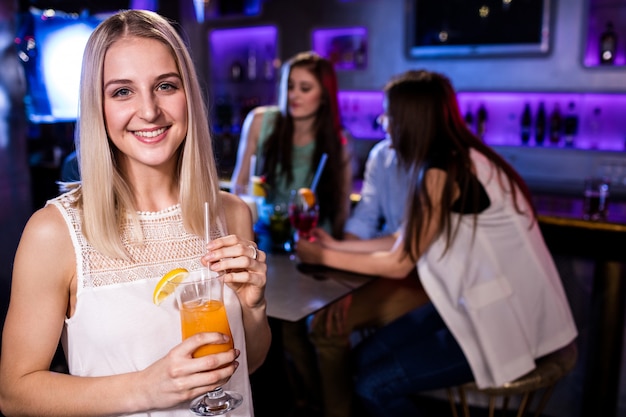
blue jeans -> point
(415, 353)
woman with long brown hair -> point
(289, 140)
(496, 299)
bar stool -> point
(550, 369)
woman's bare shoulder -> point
(46, 223)
(233, 205)
(47, 240)
(252, 124)
(237, 213)
(259, 112)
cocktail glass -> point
(303, 214)
(200, 299)
(280, 228)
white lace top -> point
(116, 328)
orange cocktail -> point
(205, 316)
(200, 298)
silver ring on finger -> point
(255, 252)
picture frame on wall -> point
(450, 28)
(346, 48)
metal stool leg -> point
(492, 405)
(544, 400)
(462, 395)
(526, 399)
(505, 405)
(452, 402)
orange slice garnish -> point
(166, 285)
(308, 195)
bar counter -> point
(604, 243)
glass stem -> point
(216, 393)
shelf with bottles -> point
(345, 47)
(244, 55)
(595, 121)
(606, 34)
(243, 73)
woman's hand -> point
(179, 377)
(244, 267)
(309, 252)
(324, 238)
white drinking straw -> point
(252, 174)
(206, 237)
(206, 222)
(318, 172)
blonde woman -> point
(88, 262)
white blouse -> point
(116, 328)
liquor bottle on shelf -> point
(570, 124)
(525, 124)
(469, 118)
(540, 124)
(360, 56)
(252, 64)
(481, 121)
(608, 44)
(555, 125)
(268, 64)
(236, 71)
(595, 128)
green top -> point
(302, 157)
(280, 192)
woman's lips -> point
(150, 136)
(149, 133)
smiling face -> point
(145, 107)
(304, 93)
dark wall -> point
(560, 70)
(93, 6)
(15, 201)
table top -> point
(294, 290)
(572, 208)
(566, 232)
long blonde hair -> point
(106, 195)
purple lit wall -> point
(239, 45)
(144, 4)
(359, 110)
(601, 117)
(345, 47)
(243, 71)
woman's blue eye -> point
(121, 92)
(166, 87)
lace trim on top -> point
(166, 246)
